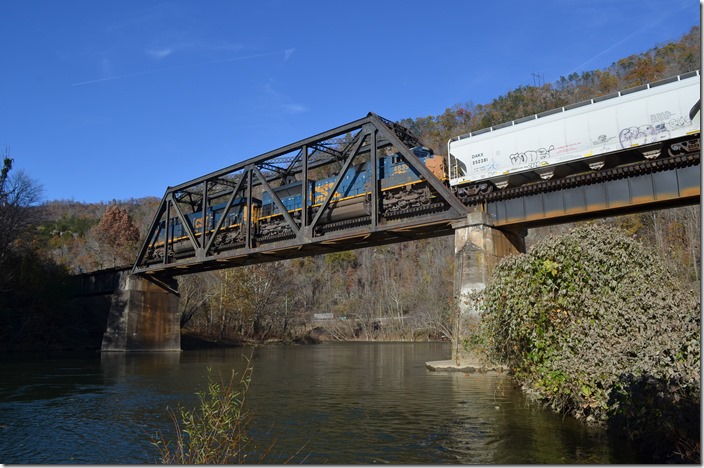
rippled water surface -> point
(334, 403)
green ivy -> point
(585, 318)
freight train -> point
(621, 128)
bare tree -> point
(19, 195)
(195, 291)
(7, 165)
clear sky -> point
(106, 100)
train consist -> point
(402, 191)
(589, 135)
(622, 128)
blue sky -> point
(106, 100)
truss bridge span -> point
(366, 183)
(371, 182)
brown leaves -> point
(117, 235)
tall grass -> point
(217, 431)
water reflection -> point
(120, 366)
(496, 424)
(335, 403)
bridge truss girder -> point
(335, 150)
(678, 185)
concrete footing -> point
(465, 367)
(143, 317)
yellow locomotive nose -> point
(436, 165)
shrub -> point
(592, 324)
(214, 433)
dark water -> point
(334, 403)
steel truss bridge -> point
(207, 244)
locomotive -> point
(401, 190)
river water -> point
(335, 403)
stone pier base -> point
(478, 249)
(143, 317)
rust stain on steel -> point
(691, 192)
(594, 208)
(598, 206)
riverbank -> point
(193, 342)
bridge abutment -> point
(479, 247)
(143, 317)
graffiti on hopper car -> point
(530, 156)
(635, 136)
(602, 140)
(679, 122)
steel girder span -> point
(652, 185)
(368, 182)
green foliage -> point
(582, 317)
(73, 225)
(342, 260)
(216, 431)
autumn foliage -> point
(118, 236)
(401, 291)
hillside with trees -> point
(658, 63)
(401, 292)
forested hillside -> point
(658, 63)
(402, 291)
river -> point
(336, 403)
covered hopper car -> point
(588, 135)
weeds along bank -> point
(595, 326)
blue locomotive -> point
(401, 189)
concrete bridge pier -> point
(478, 249)
(143, 317)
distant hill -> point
(660, 62)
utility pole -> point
(538, 79)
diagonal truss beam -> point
(185, 222)
(336, 185)
(228, 207)
(413, 160)
(277, 200)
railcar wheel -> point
(486, 188)
(684, 147)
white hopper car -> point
(583, 136)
